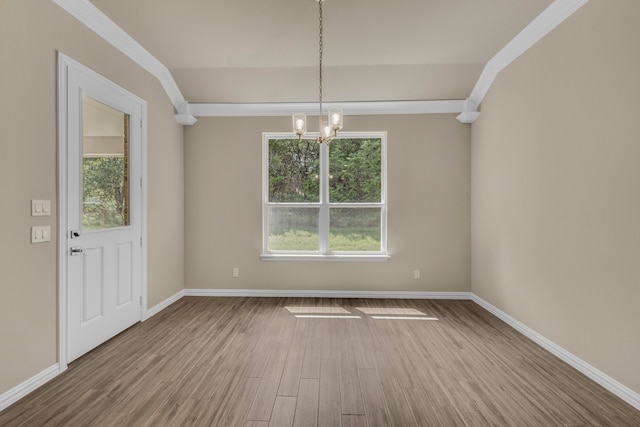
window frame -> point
(324, 204)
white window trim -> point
(324, 254)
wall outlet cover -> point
(40, 234)
(40, 207)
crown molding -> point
(186, 119)
(468, 116)
(469, 112)
(542, 25)
(102, 25)
(311, 108)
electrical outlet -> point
(236, 272)
(416, 274)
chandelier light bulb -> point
(299, 124)
(335, 118)
(327, 130)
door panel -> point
(92, 285)
(125, 284)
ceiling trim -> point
(311, 108)
(102, 25)
(85, 12)
(542, 25)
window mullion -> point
(324, 199)
(265, 193)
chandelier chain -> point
(320, 52)
(329, 129)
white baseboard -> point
(161, 306)
(10, 397)
(324, 294)
(615, 387)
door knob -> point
(76, 250)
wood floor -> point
(251, 362)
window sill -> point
(318, 257)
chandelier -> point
(327, 129)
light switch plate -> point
(40, 234)
(40, 207)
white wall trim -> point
(311, 108)
(321, 257)
(144, 174)
(468, 116)
(161, 306)
(615, 387)
(325, 294)
(103, 26)
(11, 396)
(186, 119)
(542, 25)
(63, 80)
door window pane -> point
(105, 166)
(354, 229)
(293, 229)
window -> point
(324, 201)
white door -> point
(103, 211)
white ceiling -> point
(266, 51)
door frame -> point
(65, 64)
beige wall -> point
(555, 189)
(428, 219)
(30, 33)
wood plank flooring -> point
(251, 362)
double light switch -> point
(40, 233)
(40, 207)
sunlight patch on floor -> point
(378, 313)
(317, 310)
(325, 316)
(403, 318)
(391, 311)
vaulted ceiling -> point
(267, 51)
